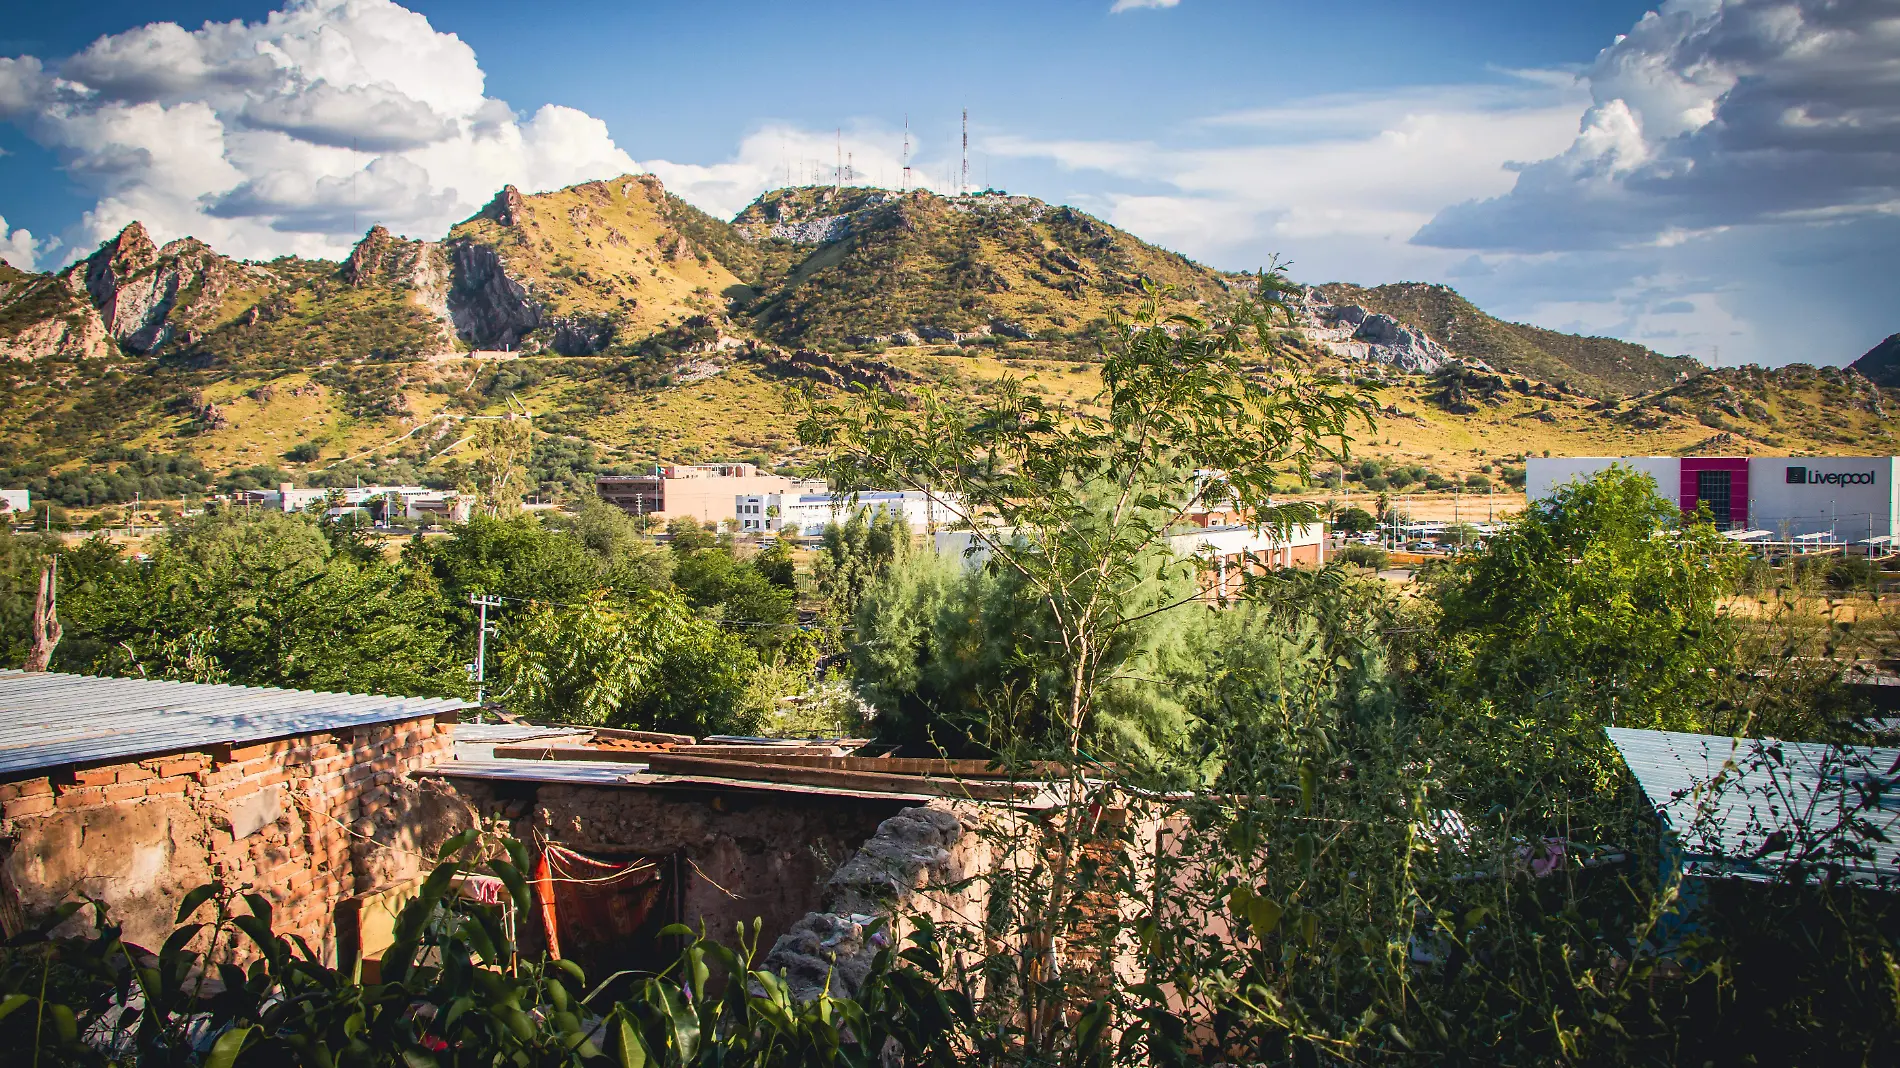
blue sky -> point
(1716, 177)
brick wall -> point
(276, 817)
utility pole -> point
(904, 187)
(483, 603)
(963, 184)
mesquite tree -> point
(1079, 501)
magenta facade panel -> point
(1722, 481)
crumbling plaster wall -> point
(743, 853)
(941, 861)
(307, 821)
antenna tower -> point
(850, 169)
(837, 171)
(963, 185)
(905, 187)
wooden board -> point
(948, 769)
(675, 764)
(643, 736)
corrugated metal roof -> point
(1747, 808)
(49, 720)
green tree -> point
(646, 661)
(1078, 503)
(1600, 606)
(856, 553)
(262, 600)
(777, 564)
(1354, 520)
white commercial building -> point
(1825, 499)
(16, 500)
(808, 514)
(417, 501)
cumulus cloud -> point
(1337, 183)
(1130, 5)
(293, 134)
(18, 247)
(1711, 114)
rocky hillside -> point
(1882, 362)
(639, 329)
(867, 268)
(1598, 366)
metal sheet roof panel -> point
(1748, 807)
(50, 719)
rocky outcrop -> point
(421, 267)
(827, 369)
(1352, 332)
(145, 295)
(1881, 363)
(489, 308)
(832, 950)
(40, 316)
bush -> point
(304, 452)
(1367, 556)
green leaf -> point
(1264, 915)
(198, 896)
(632, 1051)
(226, 1049)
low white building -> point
(808, 514)
(1227, 553)
(1833, 499)
(16, 500)
(416, 501)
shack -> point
(135, 791)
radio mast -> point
(905, 187)
(837, 171)
(963, 185)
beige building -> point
(706, 492)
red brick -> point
(81, 797)
(14, 808)
(182, 765)
(125, 791)
(168, 786)
(95, 776)
(135, 773)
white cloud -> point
(1130, 5)
(18, 247)
(293, 134)
(779, 155)
(1710, 114)
(1336, 183)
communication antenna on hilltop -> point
(963, 185)
(837, 172)
(905, 186)
(850, 169)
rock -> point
(136, 286)
(489, 309)
(830, 950)
(1010, 329)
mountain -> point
(639, 329)
(1882, 362)
(867, 268)
(1598, 366)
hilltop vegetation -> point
(865, 267)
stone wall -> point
(308, 821)
(728, 856)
